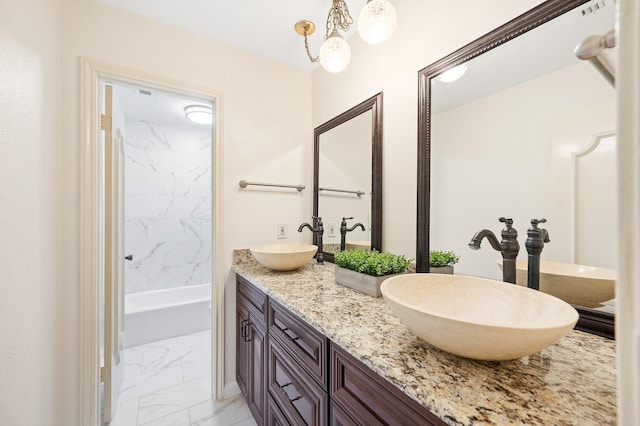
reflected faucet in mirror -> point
(344, 230)
(508, 247)
(536, 238)
(317, 231)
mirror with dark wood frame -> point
(347, 179)
(508, 138)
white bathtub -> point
(161, 314)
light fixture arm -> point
(338, 18)
(306, 26)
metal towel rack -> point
(244, 184)
(346, 191)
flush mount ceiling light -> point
(453, 74)
(201, 114)
(377, 21)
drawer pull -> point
(248, 335)
(285, 385)
(243, 329)
(296, 398)
(284, 331)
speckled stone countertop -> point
(572, 382)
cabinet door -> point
(250, 356)
(242, 360)
(256, 398)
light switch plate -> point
(282, 230)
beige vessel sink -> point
(576, 284)
(284, 257)
(478, 318)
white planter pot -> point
(364, 283)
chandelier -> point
(376, 24)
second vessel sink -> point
(478, 318)
(576, 284)
(284, 257)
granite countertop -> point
(572, 382)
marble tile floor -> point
(168, 383)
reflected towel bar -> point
(346, 191)
(244, 184)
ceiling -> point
(259, 26)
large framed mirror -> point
(527, 132)
(348, 177)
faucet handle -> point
(535, 222)
(507, 221)
(347, 218)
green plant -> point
(372, 262)
(440, 258)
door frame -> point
(93, 73)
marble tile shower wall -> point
(167, 206)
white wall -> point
(267, 137)
(167, 205)
(427, 30)
(29, 251)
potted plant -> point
(441, 262)
(364, 270)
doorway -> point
(166, 225)
(203, 221)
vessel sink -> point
(576, 284)
(284, 257)
(478, 318)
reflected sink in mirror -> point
(576, 284)
(283, 257)
(355, 245)
(478, 318)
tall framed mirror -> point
(348, 177)
(526, 132)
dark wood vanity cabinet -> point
(251, 347)
(294, 375)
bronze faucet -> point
(317, 232)
(344, 230)
(508, 247)
(536, 237)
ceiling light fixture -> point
(201, 114)
(376, 23)
(452, 74)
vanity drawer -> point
(305, 344)
(368, 399)
(299, 397)
(338, 417)
(275, 416)
(250, 292)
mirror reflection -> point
(347, 182)
(344, 184)
(528, 132)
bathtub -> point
(161, 314)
